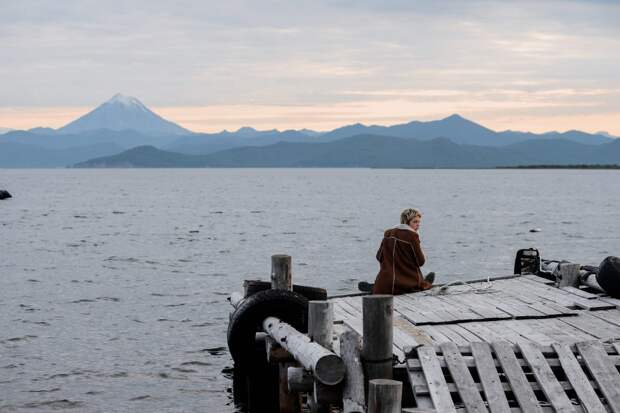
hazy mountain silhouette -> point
(201, 144)
(19, 155)
(375, 152)
(124, 122)
(459, 130)
(123, 113)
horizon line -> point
(230, 118)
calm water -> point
(113, 282)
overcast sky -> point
(209, 65)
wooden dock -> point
(515, 343)
(512, 344)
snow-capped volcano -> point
(121, 113)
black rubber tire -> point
(608, 276)
(311, 293)
(247, 319)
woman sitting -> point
(400, 256)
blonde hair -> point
(408, 214)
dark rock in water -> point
(4, 194)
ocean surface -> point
(113, 283)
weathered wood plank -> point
(518, 382)
(553, 362)
(422, 389)
(414, 316)
(524, 329)
(454, 337)
(578, 379)
(566, 298)
(462, 378)
(417, 380)
(557, 331)
(471, 301)
(435, 380)
(609, 316)
(434, 333)
(422, 304)
(604, 373)
(489, 379)
(494, 331)
(464, 309)
(611, 300)
(467, 335)
(549, 293)
(579, 292)
(415, 335)
(546, 379)
(537, 279)
(593, 325)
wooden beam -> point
(327, 367)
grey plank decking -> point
(468, 378)
(516, 344)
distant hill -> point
(201, 144)
(144, 157)
(123, 113)
(374, 152)
(19, 155)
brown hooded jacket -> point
(400, 256)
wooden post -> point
(327, 367)
(353, 391)
(569, 275)
(377, 353)
(281, 272)
(235, 299)
(384, 396)
(320, 322)
(299, 380)
(289, 401)
(323, 396)
(262, 380)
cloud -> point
(310, 53)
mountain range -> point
(124, 132)
(372, 151)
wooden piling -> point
(353, 390)
(281, 272)
(377, 311)
(569, 275)
(289, 401)
(299, 380)
(320, 322)
(235, 299)
(384, 396)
